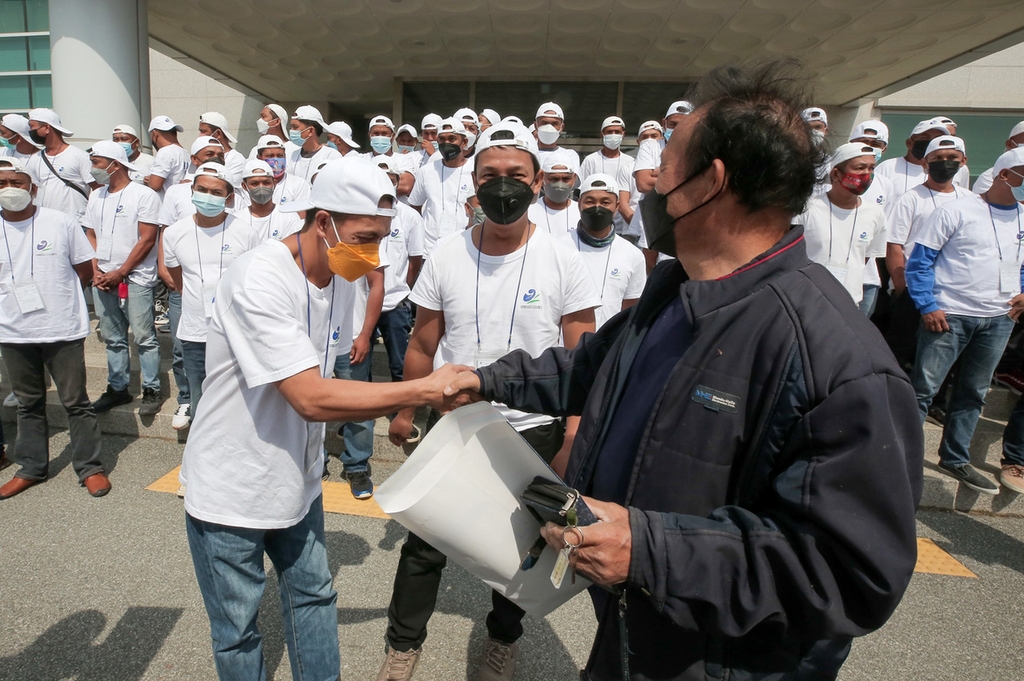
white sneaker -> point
(181, 491)
(11, 400)
(182, 417)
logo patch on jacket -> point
(716, 400)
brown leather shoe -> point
(16, 486)
(4, 461)
(98, 484)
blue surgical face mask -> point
(403, 149)
(1018, 192)
(878, 155)
(381, 144)
(208, 205)
(6, 142)
(296, 137)
(668, 134)
(332, 145)
(127, 146)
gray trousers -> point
(65, 361)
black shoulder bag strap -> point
(66, 181)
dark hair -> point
(750, 120)
(317, 128)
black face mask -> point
(504, 199)
(659, 226)
(596, 218)
(449, 152)
(36, 137)
(943, 171)
(919, 148)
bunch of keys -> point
(562, 563)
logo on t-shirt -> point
(226, 248)
(44, 247)
(879, 199)
(120, 210)
(863, 236)
(395, 232)
(531, 297)
(336, 334)
(614, 273)
(275, 232)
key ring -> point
(572, 528)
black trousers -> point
(420, 566)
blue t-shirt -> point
(666, 341)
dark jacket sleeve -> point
(829, 549)
(557, 382)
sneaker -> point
(110, 399)
(936, 415)
(362, 486)
(11, 400)
(1014, 380)
(499, 661)
(399, 666)
(161, 320)
(182, 417)
(970, 478)
(150, 402)
(1012, 477)
(181, 491)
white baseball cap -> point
(599, 182)
(649, 125)
(19, 124)
(49, 117)
(164, 124)
(113, 151)
(814, 113)
(945, 120)
(490, 114)
(278, 111)
(12, 164)
(1009, 159)
(342, 130)
(452, 125)
(127, 130)
(431, 121)
(946, 142)
(549, 109)
(352, 185)
(406, 128)
(217, 120)
(202, 142)
(388, 163)
(466, 114)
(214, 169)
(381, 120)
(612, 120)
(679, 107)
(309, 113)
(925, 126)
(872, 129)
(512, 119)
(1014, 131)
(560, 161)
(851, 150)
(506, 134)
(254, 167)
(266, 142)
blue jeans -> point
(979, 343)
(394, 326)
(867, 303)
(359, 435)
(229, 568)
(177, 361)
(114, 324)
(194, 358)
(1013, 436)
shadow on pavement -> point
(977, 540)
(66, 651)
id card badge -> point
(484, 356)
(29, 298)
(837, 270)
(314, 445)
(209, 295)
(1009, 277)
(104, 245)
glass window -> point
(585, 104)
(14, 92)
(39, 53)
(37, 14)
(12, 16)
(13, 54)
(643, 102)
(42, 92)
(442, 98)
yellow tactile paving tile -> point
(933, 560)
(337, 497)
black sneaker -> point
(110, 399)
(970, 478)
(936, 415)
(362, 486)
(150, 402)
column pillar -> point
(99, 59)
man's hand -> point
(360, 349)
(607, 546)
(439, 383)
(1016, 307)
(400, 429)
(936, 321)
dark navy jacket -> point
(772, 499)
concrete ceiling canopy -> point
(320, 50)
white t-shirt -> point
(912, 210)
(251, 459)
(648, 155)
(275, 226)
(115, 218)
(305, 166)
(177, 203)
(72, 164)
(527, 292)
(234, 164)
(618, 271)
(599, 163)
(290, 188)
(171, 163)
(405, 240)
(43, 249)
(142, 164)
(970, 260)
(626, 181)
(203, 254)
(362, 295)
(442, 192)
(842, 239)
(554, 222)
(902, 176)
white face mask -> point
(14, 199)
(262, 126)
(612, 141)
(547, 134)
(470, 139)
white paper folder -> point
(460, 490)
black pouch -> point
(557, 503)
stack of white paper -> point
(460, 490)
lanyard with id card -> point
(209, 289)
(839, 270)
(104, 239)
(483, 356)
(1009, 270)
(26, 293)
(315, 431)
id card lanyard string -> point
(995, 233)
(458, 186)
(607, 261)
(515, 301)
(309, 310)
(199, 254)
(103, 208)
(32, 250)
(853, 231)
